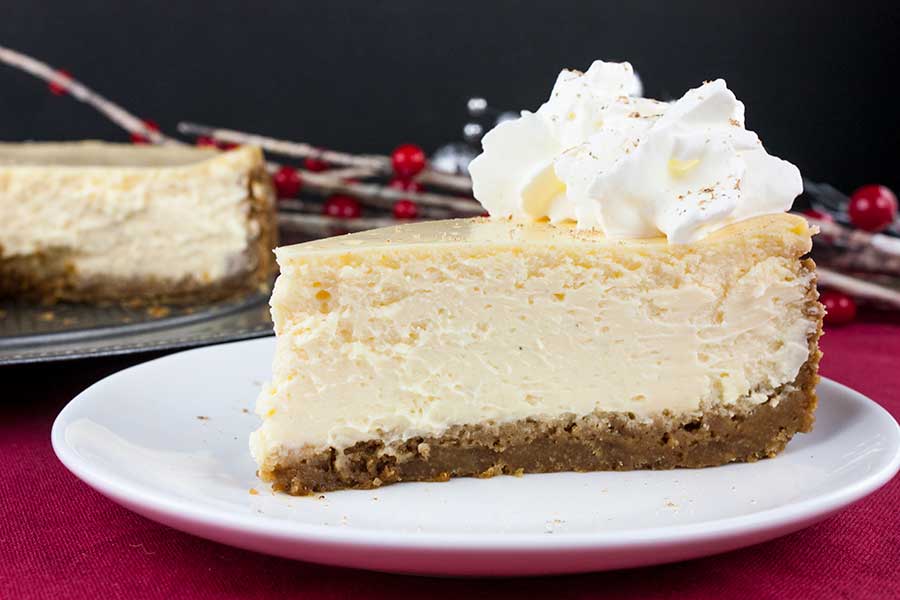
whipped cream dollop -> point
(633, 167)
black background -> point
(818, 78)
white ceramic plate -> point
(168, 439)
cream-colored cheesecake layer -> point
(405, 331)
(122, 212)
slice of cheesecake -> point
(487, 346)
(93, 222)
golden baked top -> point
(791, 231)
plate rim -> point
(149, 501)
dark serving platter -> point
(31, 333)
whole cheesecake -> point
(637, 300)
(97, 222)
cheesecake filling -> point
(389, 344)
(110, 219)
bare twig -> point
(351, 173)
(384, 196)
(460, 183)
(294, 149)
(322, 225)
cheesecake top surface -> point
(104, 155)
(481, 231)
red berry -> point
(872, 207)
(342, 207)
(137, 138)
(206, 142)
(228, 145)
(316, 165)
(60, 89)
(406, 185)
(839, 307)
(287, 182)
(408, 160)
(818, 215)
(405, 209)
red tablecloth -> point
(60, 539)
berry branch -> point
(380, 196)
(384, 165)
(63, 82)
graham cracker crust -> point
(50, 277)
